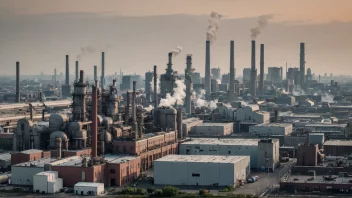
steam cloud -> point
(157, 85)
(261, 24)
(326, 97)
(177, 97)
(199, 100)
(177, 51)
(213, 26)
(86, 51)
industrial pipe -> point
(94, 121)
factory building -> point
(252, 114)
(28, 155)
(338, 147)
(167, 80)
(212, 129)
(224, 113)
(47, 182)
(201, 170)
(316, 138)
(188, 123)
(308, 155)
(268, 154)
(5, 162)
(246, 76)
(231, 147)
(286, 100)
(127, 82)
(271, 129)
(216, 73)
(275, 75)
(329, 130)
(88, 188)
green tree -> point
(170, 191)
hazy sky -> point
(141, 32)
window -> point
(229, 152)
(195, 175)
(113, 171)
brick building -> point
(28, 155)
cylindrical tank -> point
(58, 134)
(170, 117)
(106, 137)
(100, 120)
(56, 121)
(4, 179)
(107, 122)
(58, 148)
(73, 127)
(22, 134)
(81, 134)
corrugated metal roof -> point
(338, 143)
(88, 184)
(202, 158)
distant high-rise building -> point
(275, 75)
(127, 82)
(196, 79)
(246, 75)
(225, 79)
(216, 73)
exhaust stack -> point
(188, 79)
(102, 71)
(302, 64)
(253, 84)
(207, 79)
(134, 102)
(77, 71)
(231, 94)
(18, 94)
(155, 87)
(94, 121)
(67, 80)
(95, 73)
(58, 148)
(261, 81)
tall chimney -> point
(231, 94)
(94, 121)
(134, 102)
(207, 80)
(67, 80)
(261, 80)
(253, 83)
(302, 64)
(155, 87)
(58, 148)
(169, 64)
(76, 80)
(81, 76)
(179, 123)
(18, 94)
(188, 79)
(102, 70)
(95, 73)
(55, 75)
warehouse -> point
(47, 182)
(212, 129)
(187, 124)
(88, 188)
(268, 154)
(222, 146)
(316, 138)
(338, 148)
(201, 170)
(252, 114)
(271, 129)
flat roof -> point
(37, 163)
(317, 179)
(190, 120)
(47, 173)
(30, 151)
(88, 184)
(222, 141)
(338, 143)
(69, 161)
(202, 158)
(326, 125)
(214, 124)
(5, 156)
(274, 125)
(118, 159)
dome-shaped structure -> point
(56, 121)
(73, 127)
(81, 134)
(107, 122)
(58, 134)
(106, 137)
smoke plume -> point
(177, 50)
(326, 97)
(85, 51)
(157, 85)
(199, 100)
(213, 26)
(261, 24)
(177, 97)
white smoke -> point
(326, 97)
(177, 50)
(157, 85)
(261, 24)
(177, 97)
(213, 26)
(199, 100)
(297, 92)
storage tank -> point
(22, 134)
(170, 118)
(106, 137)
(107, 122)
(62, 136)
(100, 120)
(73, 127)
(4, 179)
(56, 122)
(41, 133)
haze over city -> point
(140, 33)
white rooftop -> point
(274, 125)
(222, 141)
(214, 124)
(118, 159)
(88, 184)
(202, 158)
(48, 173)
(31, 151)
(5, 156)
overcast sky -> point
(140, 33)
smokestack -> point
(155, 87)
(179, 123)
(276, 115)
(18, 94)
(188, 79)
(55, 74)
(102, 70)
(58, 148)
(253, 84)
(302, 64)
(261, 81)
(67, 80)
(134, 103)
(81, 76)
(94, 121)
(231, 94)
(207, 80)
(77, 71)
(169, 64)
(95, 73)
(319, 78)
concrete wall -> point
(270, 130)
(199, 173)
(47, 183)
(212, 130)
(232, 150)
(270, 151)
(23, 175)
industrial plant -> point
(284, 127)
